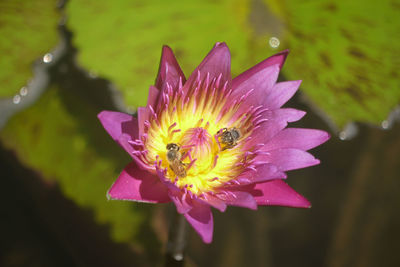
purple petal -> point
(117, 123)
(128, 147)
(289, 159)
(280, 94)
(138, 185)
(143, 115)
(303, 139)
(240, 199)
(260, 84)
(200, 217)
(275, 59)
(120, 126)
(264, 172)
(278, 193)
(182, 202)
(217, 62)
(172, 188)
(284, 114)
(153, 96)
(276, 121)
(169, 71)
(214, 202)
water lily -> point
(213, 141)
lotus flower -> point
(210, 141)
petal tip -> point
(302, 113)
(315, 162)
(327, 137)
(284, 55)
(221, 44)
(285, 52)
(298, 82)
(166, 47)
(223, 49)
(307, 204)
(101, 114)
(207, 240)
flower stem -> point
(176, 241)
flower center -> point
(199, 142)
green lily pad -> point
(122, 40)
(78, 155)
(28, 30)
(346, 53)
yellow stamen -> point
(193, 126)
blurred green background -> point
(64, 61)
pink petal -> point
(124, 142)
(117, 123)
(169, 70)
(217, 62)
(284, 114)
(276, 121)
(280, 94)
(153, 96)
(182, 202)
(240, 199)
(201, 219)
(214, 202)
(138, 185)
(303, 139)
(275, 59)
(264, 172)
(172, 188)
(120, 126)
(123, 128)
(260, 83)
(143, 114)
(289, 159)
(278, 193)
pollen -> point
(198, 141)
(194, 123)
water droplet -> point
(130, 110)
(342, 136)
(349, 131)
(385, 124)
(23, 91)
(178, 256)
(92, 75)
(274, 42)
(16, 99)
(48, 58)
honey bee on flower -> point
(229, 137)
(213, 141)
(174, 159)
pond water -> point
(353, 221)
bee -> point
(174, 159)
(229, 137)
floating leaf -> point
(122, 40)
(76, 154)
(346, 53)
(28, 30)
